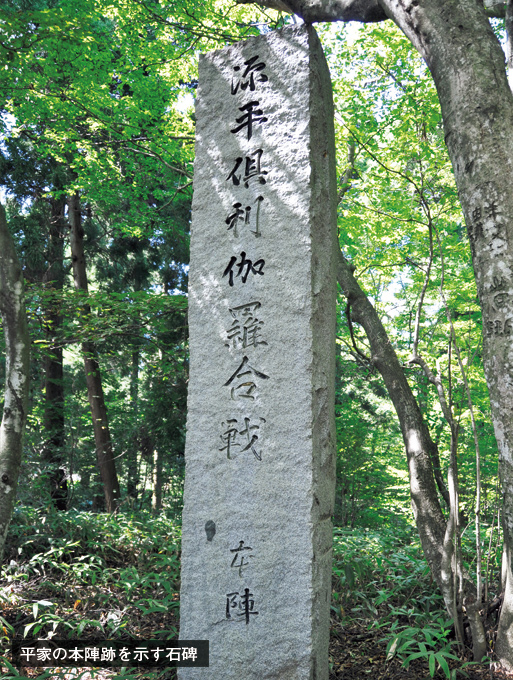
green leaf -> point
(443, 664)
(407, 644)
(432, 664)
(14, 671)
(415, 655)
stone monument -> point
(260, 451)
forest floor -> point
(82, 576)
(357, 653)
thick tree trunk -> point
(95, 395)
(54, 376)
(17, 350)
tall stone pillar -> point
(260, 451)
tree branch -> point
(326, 10)
(367, 11)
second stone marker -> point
(260, 449)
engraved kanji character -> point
(491, 211)
(252, 169)
(256, 268)
(243, 215)
(241, 602)
(497, 283)
(251, 115)
(231, 435)
(239, 560)
(500, 300)
(251, 68)
(245, 328)
(245, 388)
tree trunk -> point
(417, 441)
(53, 365)
(156, 498)
(95, 395)
(17, 350)
(133, 445)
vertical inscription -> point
(487, 226)
(244, 334)
(487, 230)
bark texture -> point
(103, 443)
(417, 441)
(350, 10)
(327, 10)
(133, 448)
(54, 387)
(17, 348)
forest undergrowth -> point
(79, 575)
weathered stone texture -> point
(256, 547)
